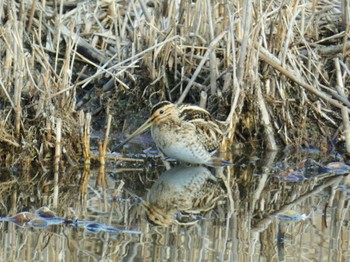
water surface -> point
(265, 207)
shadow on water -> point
(270, 207)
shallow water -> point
(265, 207)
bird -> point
(187, 133)
(189, 189)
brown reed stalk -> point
(203, 100)
(58, 146)
(103, 146)
(212, 56)
(85, 131)
(31, 16)
(345, 7)
(19, 67)
(231, 82)
(101, 177)
(83, 187)
(265, 117)
(344, 110)
(246, 17)
(65, 76)
(102, 149)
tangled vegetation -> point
(276, 71)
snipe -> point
(187, 133)
(185, 190)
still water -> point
(266, 207)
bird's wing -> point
(208, 133)
(188, 113)
(207, 127)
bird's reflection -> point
(181, 193)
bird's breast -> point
(180, 143)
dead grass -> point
(278, 71)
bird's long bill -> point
(139, 131)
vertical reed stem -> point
(212, 56)
(31, 16)
(203, 100)
(102, 152)
(108, 129)
(57, 160)
(344, 110)
(19, 73)
(265, 118)
(83, 185)
(346, 123)
(85, 125)
(247, 15)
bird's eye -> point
(161, 111)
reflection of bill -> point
(189, 190)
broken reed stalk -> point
(19, 70)
(31, 16)
(342, 209)
(246, 17)
(83, 186)
(212, 56)
(100, 181)
(57, 161)
(266, 122)
(344, 111)
(345, 6)
(85, 131)
(67, 98)
(340, 85)
(203, 100)
(108, 129)
(58, 18)
(118, 190)
(102, 153)
(268, 160)
(232, 79)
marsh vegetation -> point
(77, 76)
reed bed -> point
(276, 71)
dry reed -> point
(268, 68)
